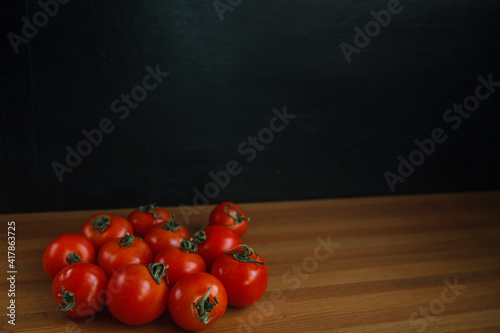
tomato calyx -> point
(204, 307)
(199, 236)
(101, 222)
(238, 217)
(73, 258)
(171, 225)
(68, 300)
(126, 240)
(158, 270)
(188, 246)
(148, 208)
(244, 253)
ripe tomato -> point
(181, 262)
(244, 275)
(145, 217)
(137, 294)
(80, 289)
(66, 250)
(165, 235)
(101, 228)
(197, 301)
(213, 241)
(230, 215)
(120, 252)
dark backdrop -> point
(225, 78)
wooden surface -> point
(387, 269)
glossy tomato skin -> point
(87, 283)
(180, 264)
(120, 252)
(218, 240)
(55, 256)
(191, 290)
(134, 297)
(230, 215)
(114, 227)
(162, 236)
(245, 282)
(143, 218)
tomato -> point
(197, 301)
(165, 235)
(181, 262)
(137, 294)
(230, 215)
(120, 252)
(213, 241)
(145, 217)
(101, 228)
(80, 290)
(244, 275)
(65, 250)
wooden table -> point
(421, 263)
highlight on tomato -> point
(137, 294)
(65, 250)
(197, 301)
(80, 290)
(165, 235)
(101, 228)
(230, 215)
(120, 252)
(213, 241)
(145, 217)
(244, 275)
(181, 261)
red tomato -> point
(65, 250)
(230, 215)
(137, 294)
(145, 217)
(80, 290)
(101, 228)
(165, 235)
(213, 241)
(244, 275)
(181, 262)
(120, 252)
(197, 301)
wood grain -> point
(388, 267)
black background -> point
(353, 120)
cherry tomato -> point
(101, 228)
(197, 301)
(213, 241)
(80, 290)
(230, 215)
(120, 252)
(165, 235)
(145, 217)
(244, 275)
(66, 250)
(137, 294)
(181, 262)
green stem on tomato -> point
(101, 222)
(126, 240)
(68, 300)
(73, 258)
(158, 270)
(188, 246)
(238, 217)
(204, 307)
(243, 253)
(171, 225)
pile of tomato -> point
(148, 264)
